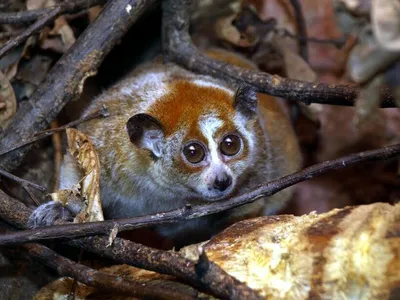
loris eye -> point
(230, 145)
(194, 153)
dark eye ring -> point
(230, 145)
(194, 152)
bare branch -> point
(21, 181)
(178, 47)
(65, 81)
(188, 212)
(34, 28)
(29, 16)
(103, 281)
(123, 251)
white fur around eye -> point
(208, 126)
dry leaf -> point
(62, 29)
(70, 198)
(385, 17)
(112, 235)
(64, 36)
(81, 148)
(229, 33)
(8, 102)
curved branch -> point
(178, 47)
(188, 212)
(29, 16)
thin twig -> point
(31, 195)
(46, 133)
(34, 28)
(29, 16)
(301, 29)
(103, 281)
(21, 181)
(102, 112)
(123, 251)
(191, 212)
(178, 47)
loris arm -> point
(47, 213)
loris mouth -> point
(213, 195)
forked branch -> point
(178, 47)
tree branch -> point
(123, 251)
(186, 213)
(103, 281)
(34, 28)
(66, 78)
(178, 47)
(22, 181)
(30, 16)
(46, 133)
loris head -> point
(201, 137)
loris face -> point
(200, 136)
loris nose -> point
(223, 183)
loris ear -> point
(245, 101)
(146, 132)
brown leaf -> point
(8, 102)
(65, 196)
(112, 235)
(81, 148)
(62, 29)
(61, 36)
(229, 33)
